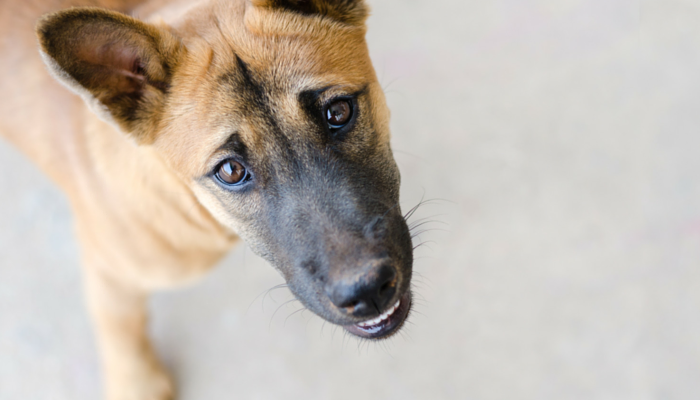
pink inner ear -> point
(116, 66)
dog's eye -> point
(232, 172)
(338, 113)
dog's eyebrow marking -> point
(310, 97)
(252, 96)
(234, 144)
(242, 80)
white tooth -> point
(381, 317)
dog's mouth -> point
(386, 324)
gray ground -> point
(565, 135)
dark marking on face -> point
(250, 92)
(254, 91)
(304, 7)
(234, 145)
(347, 11)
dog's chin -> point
(386, 324)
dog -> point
(188, 125)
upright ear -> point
(353, 12)
(121, 67)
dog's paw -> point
(149, 383)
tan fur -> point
(142, 220)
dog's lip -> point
(386, 324)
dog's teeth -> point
(382, 317)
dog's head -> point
(272, 114)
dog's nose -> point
(365, 293)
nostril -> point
(357, 307)
(386, 286)
(368, 293)
(351, 304)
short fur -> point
(171, 95)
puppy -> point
(199, 123)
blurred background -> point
(561, 139)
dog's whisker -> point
(427, 229)
(345, 336)
(422, 203)
(421, 283)
(269, 291)
(415, 234)
(417, 285)
(391, 208)
(426, 243)
(285, 320)
(410, 212)
(422, 278)
(269, 327)
(323, 325)
(264, 292)
(390, 83)
(430, 216)
(408, 154)
(306, 324)
(423, 221)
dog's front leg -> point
(131, 368)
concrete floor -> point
(564, 137)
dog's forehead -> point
(291, 52)
(246, 68)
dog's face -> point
(273, 115)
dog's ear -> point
(353, 12)
(121, 67)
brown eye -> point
(231, 172)
(338, 113)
